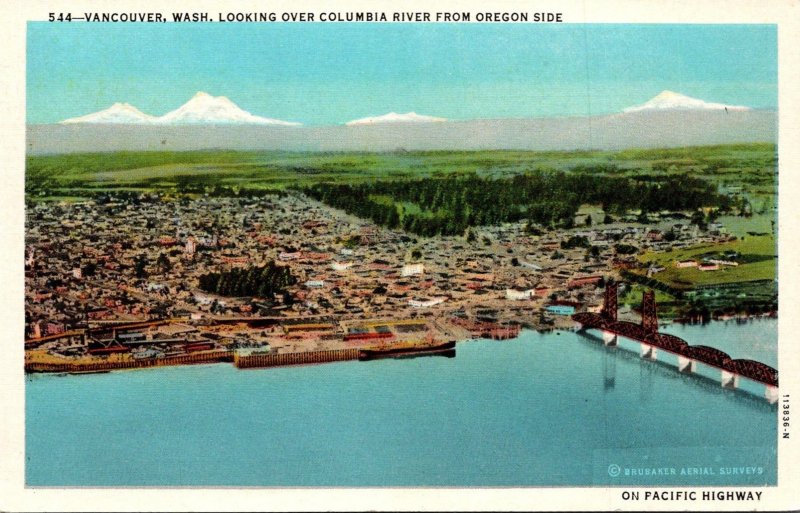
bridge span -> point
(651, 341)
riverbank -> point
(403, 422)
(138, 346)
(248, 341)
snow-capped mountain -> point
(117, 113)
(202, 109)
(393, 117)
(206, 109)
(644, 129)
(668, 100)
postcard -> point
(303, 256)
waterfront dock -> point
(247, 361)
(104, 365)
(294, 342)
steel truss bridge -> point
(647, 334)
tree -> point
(140, 267)
(745, 209)
(588, 220)
(625, 249)
(699, 219)
(263, 281)
(163, 263)
(532, 229)
(89, 269)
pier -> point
(651, 341)
(121, 364)
(242, 361)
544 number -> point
(59, 16)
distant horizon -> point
(346, 125)
(322, 75)
(366, 121)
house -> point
(517, 295)
(723, 262)
(235, 260)
(682, 264)
(412, 269)
(426, 303)
(583, 281)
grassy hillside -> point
(755, 256)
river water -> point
(556, 409)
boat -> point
(446, 353)
(407, 351)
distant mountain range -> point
(206, 109)
(207, 122)
(668, 100)
(200, 110)
(118, 113)
(393, 117)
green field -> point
(757, 262)
(750, 167)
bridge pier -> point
(649, 352)
(686, 365)
(650, 340)
(609, 339)
(771, 394)
(729, 379)
(609, 369)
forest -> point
(449, 205)
(266, 281)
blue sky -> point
(329, 73)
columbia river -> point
(555, 409)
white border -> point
(14, 497)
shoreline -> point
(243, 359)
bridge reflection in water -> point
(651, 341)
